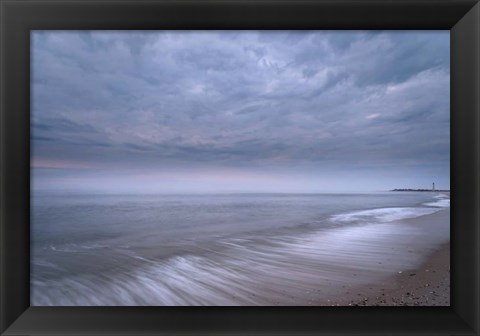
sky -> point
(239, 111)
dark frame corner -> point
(18, 17)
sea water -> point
(222, 249)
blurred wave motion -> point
(223, 249)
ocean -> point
(223, 249)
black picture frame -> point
(18, 17)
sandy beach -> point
(425, 285)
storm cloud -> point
(240, 111)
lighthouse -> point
(433, 186)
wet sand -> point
(425, 285)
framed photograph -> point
(285, 164)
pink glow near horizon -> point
(55, 164)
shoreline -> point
(427, 284)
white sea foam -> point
(383, 214)
(441, 203)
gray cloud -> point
(295, 102)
